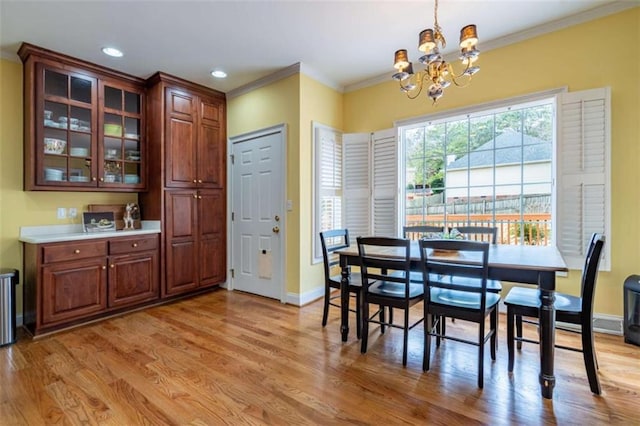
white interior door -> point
(257, 227)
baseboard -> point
(305, 298)
(19, 320)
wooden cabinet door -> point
(181, 241)
(133, 279)
(180, 140)
(212, 236)
(73, 290)
(210, 171)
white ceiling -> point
(343, 42)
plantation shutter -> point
(328, 180)
(357, 217)
(584, 190)
(384, 169)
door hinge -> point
(233, 157)
(233, 273)
(233, 216)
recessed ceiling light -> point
(112, 51)
(218, 74)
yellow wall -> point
(268, 106)
(590, 55)
(26, 208)
(320, 104)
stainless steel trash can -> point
(8, 281)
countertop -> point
(58, 233)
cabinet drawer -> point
(133, 245)
(73, 251)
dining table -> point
(526, 264)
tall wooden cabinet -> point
(84, 125)
(187, 159)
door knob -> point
(275, 229)
(277, 218)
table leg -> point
(547, 334)
(344, 298)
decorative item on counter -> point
(118, 211)
(131, 212)
(98, 222)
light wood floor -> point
(232, 358)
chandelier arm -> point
(419, 79)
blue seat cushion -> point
(462, 299)
(530, 297)
(393, 289)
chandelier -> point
(437, 73)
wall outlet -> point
(62, 213)
(73, 212)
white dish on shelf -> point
(78, 178)
(130, 178)
(79, 152)
(131, 136)
(53, 174)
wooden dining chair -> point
(331, 241)
(578, 310)
(455, 274)
(487, 234)
(385, 266)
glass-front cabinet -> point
(83, 125)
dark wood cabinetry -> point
(188, 159)
(72, 282)
(84, 125)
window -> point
(490, 168)
(327, 177)
(537, 167)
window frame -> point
(318, 132)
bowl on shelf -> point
(113, 130)
(78, 178)
(53, 174)
(54, 146)
(132, 155)
(47, 114)
(131, 178)
(79, 152)
(110, 153)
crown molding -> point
(547, 27)
(293, 69)
(265, 81)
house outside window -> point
(492, 169)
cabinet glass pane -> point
(80, 119)
(131, 173)
(132, 102)
(80, 145)
(112, 148)
(55, 142)
(112, 172)
(113, 125)
(80, 89)
(112, 98)
(79, 170)
(55, 84)
(53, 111)
(131, 128)
(55, 168)
(131, 150)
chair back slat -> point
(459, 265)
(590, 273)
(331, 241)
(385, 259)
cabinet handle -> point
(112, 266)
(194, 181)
(199, 197)
(101, 179)
(195, 195)
(104, 267)
(93, 179)
(134, 245)
(199, 180)
(76, 251)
